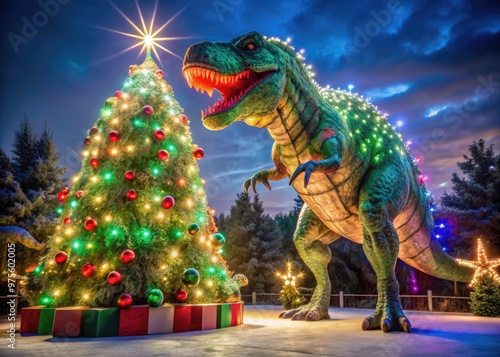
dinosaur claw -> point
(404, 325)
(307, 176)
(296, 173)
(386, 325)
(255, 178)
(265, 182)
(246, 184)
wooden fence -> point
(427, 302)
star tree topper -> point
(482, 265)
(147, 36)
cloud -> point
(387, 92)
(433, 111)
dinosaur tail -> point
(434, 261)
(11, 234)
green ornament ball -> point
(155, 298)
(193, 228)
(218, 240)
(190, 277)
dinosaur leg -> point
(311, 239)
(379, 202)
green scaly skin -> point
(343, 158)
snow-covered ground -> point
(264, 334)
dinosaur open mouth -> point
(233, 87)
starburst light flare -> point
(146, 34)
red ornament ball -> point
(79, 194)
(159, 134)
(118, 94)
(183, 119)
(125, 301)
(114, 278)
(148, 110)
(159, 73)
(94, 162)
(129, 175)
(132, 195)
(167, 202)
(163, 155)
(93, 130)
(67, 220)
(86, 141)
(114, 136)
(128, 256)
(198, 153)
(88, 270)
(90, 224)
(61, 258)
(61, 196)
(180, 295)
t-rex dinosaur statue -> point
(343, 158)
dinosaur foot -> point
(307, 312)
(396, 321)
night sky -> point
(435, 65)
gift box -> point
(137, 320)
(237, 314)
(134, 321)
(223, 315)
(46, 321)
(100, 322)
(161, 319)
(196, 317)
(182, 318)
(209, 317)
(30, 318)
(67, 321)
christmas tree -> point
(289, 295)
(135, 227)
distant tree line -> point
(258, 245)
(29, 182)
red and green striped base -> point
(137, 320)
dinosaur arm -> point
(331, 151)
(276, 173)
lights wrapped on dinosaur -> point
(343, 157)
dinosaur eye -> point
(250, 46)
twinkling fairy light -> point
(483, 266)
(288, 277)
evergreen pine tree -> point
(473, 207)
(14, 206)
(287, 222)
(24, 154)
(36, 180)
(15, 210)
(290, 296)
(485, 298)
(135, 225)
(47, 175)
(253, 243)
